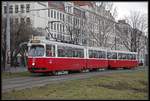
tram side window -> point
(78, 52)
(124, 56)
(99, 54)
(119, 55)
(111, 55)
(90, 53)
(108, 55)
(69, 52)
(102, 54)
(50, 50)
(74, 53)
(36, 50)
(133, 56)
(130, 56)
(95, 54)
(114, 56)
(61, 51)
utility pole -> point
(8, 52)
(115, 36)
(145, 52)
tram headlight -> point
(33, 64)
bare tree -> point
(109, 6)
(133, 37)
(20, 32)
(102, 26)
(123, 32)
(72, 29)
(139, 24)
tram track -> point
(38, 80)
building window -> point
(63, 28)
(60, 16)
(58, 36)
(69, 9)
(27, 7)
(55, 36)
(55, 14)
(5, 9)
(54, 26)
(63, 17)
(16, 8)
(28, 20)
(11, 9)
(22, 8)
(16, 20)
(50, 50)
(58, 27)
(51, 13)
(69, 19)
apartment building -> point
(99, 24)
(27, 11)
(75, 20)
(69, 21)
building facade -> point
(28, 12)
(76, 21)
(69, 21)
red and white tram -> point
(122, 59)
(46, 56)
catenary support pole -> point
(8, 52)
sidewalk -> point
(15, 69)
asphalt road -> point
(41, 80)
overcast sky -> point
(124, 8)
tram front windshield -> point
(36, 50)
